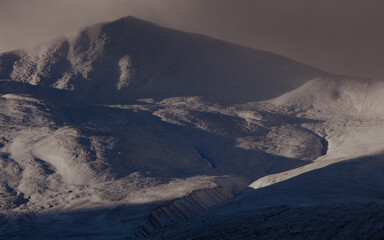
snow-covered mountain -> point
(131, 130)
(131, 58)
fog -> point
(341, 36)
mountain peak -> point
(130, 19)
(131, 58)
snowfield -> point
(127, 130)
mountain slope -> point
(131, 58)
(337, 195)
(128, 129)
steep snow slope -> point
(131, 58)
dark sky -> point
(341, 36)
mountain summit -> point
(130, 58)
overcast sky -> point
(341, 36)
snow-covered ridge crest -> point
(353, 97)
